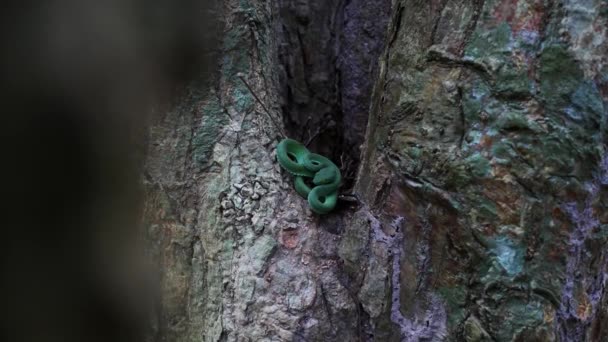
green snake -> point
(297, 160)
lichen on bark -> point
(493, 120)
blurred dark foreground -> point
(78, 81)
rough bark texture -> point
(481, 183)
(487, 135)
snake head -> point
(324, 176)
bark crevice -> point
(328, 52)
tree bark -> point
(480, 181)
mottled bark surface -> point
(481, 180)
(487, 136)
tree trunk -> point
(480, 181)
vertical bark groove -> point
(344, 39)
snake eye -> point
(314, 162)
(292, 156)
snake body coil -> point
(297, 160)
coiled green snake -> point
(297, 160)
